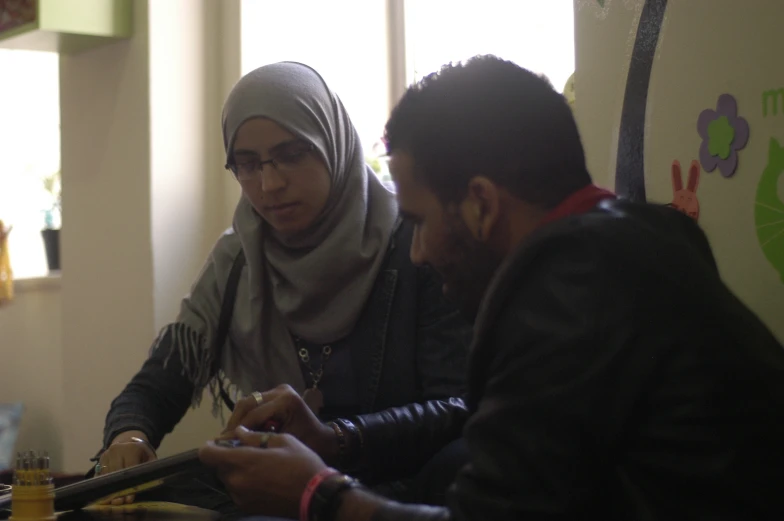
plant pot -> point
(52, 246)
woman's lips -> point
(282, 210)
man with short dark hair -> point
(612, 375)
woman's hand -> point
(284, 406)
(125, 452)
(269, 480)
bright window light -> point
(30, 137)
(535, 34)
(344, 40)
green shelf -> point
(71, 26)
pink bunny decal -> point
(685, 200)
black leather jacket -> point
(613, 376)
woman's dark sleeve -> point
(156, 398)
(180, 364)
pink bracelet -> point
(310, 489)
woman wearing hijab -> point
(327, 300)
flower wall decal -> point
(723, 134)
(769, 208)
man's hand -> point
(286, 407)
(125, 452)
(267, 481)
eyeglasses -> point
(285, 158)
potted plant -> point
(52, 219)
(377, 160)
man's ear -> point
(481, 208)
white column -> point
(143, 201)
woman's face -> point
(283, 176)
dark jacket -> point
(613, 376)
(408, 346)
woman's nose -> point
(271, 180)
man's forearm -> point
(419, 430)
(361, 505)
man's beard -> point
(467, 266)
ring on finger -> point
(99, 468)
(264, 440)
(258, 397)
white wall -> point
(182, 188)
(31, 366)
(145, 196)
(189, 184)
(107, 284)
(706, 48)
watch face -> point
(10, 415)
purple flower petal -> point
(741, 127)
(729, 165)
(706, 116)
(727, 106)
(708, 161)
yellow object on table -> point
(33, 503)
(144, 511)
(6, 277)
(155, 509)
(32, 496)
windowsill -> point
(46, 283)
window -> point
(30, 152)
(344, 40)
(348, 42)
(535, 34)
